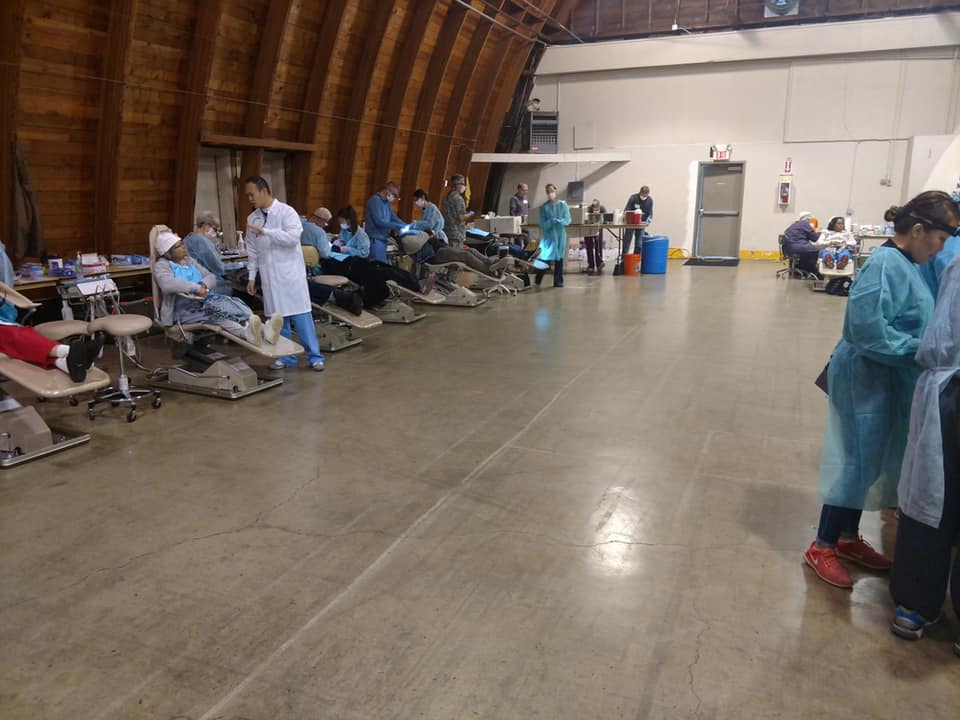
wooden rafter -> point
(200, 65)
(367, 66)
(301, 165)
(426, 104)
(460, 87)
(109, 129)
(403, 64)
(11, 24)
(265, 73)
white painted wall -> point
(847, 121)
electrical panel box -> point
(544, 132)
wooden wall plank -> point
(200, 64)
(402, 69)
(117, 52)
(362, 75)
(426, 105)
(11, 26)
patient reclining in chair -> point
(838, 245)
(21, 342)
(177, 274)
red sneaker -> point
(861, 552)
(823, 561)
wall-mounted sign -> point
(788, 166)
(780, 8)
(720, 153)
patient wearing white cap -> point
(187, 298)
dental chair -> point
(335, 325)
(835, 275)
(488, 285)
(24, 435)
(205, 370)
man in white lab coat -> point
(273, 253)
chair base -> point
(333, 337)
(125, 395)
(223, 394)
(61, 441)
(397, 311)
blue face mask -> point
(344, 226)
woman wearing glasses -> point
(871, 379)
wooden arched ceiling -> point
(111, 101)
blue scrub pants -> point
(836, 521)
(378, 249)
(307, 332)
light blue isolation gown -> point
(922, 480)
(554, 218)
(871, 378)
(934, 269)
(431, 220)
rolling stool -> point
(122, 327)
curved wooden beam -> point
(200, 65)
(11, 24)
(123, 15)
(426, 104)
(350, 136)
(450, 120)
(268, 58)
(403, 63)
(301, 165)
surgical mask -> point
(391, 197)
(344, 226)
(421, 204)
(552, 195)
(462, 189)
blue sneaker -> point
(908, 624)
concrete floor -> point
(588, 503)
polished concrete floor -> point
(587, 503)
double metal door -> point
(719, 207)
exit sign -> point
(719, 153)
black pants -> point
(921, 568)
(371, 276)
(808, 261)
(594, 251)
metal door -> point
(719, 206)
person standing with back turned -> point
(273, 252)
(871, 379)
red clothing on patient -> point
(25, 343)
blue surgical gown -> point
(933, 270)
(357, 245)
(202, 249)
(315, 236)
(8, 313)
(554, 218)
(431, 220)
(872, 376)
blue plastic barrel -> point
(656, 248)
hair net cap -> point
(165, 241)
(805, 215)
(322, 213)
(208, 217)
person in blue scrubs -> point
(200, 246)
(871, 379)
(353, 240)
(381, 221)
(314, 235)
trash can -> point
(631, 264)
(656, 249)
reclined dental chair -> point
(24, 435)
(335, 325)
(205, 370)
(470, 279)
(835, 280)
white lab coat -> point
(276, 256)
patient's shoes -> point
(254, 330)
(828, 260)
(272, 328)
(842, 262)
(83, 353)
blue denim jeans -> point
(631, 234)
(837, 521)
(303, 325)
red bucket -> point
(631, 265)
